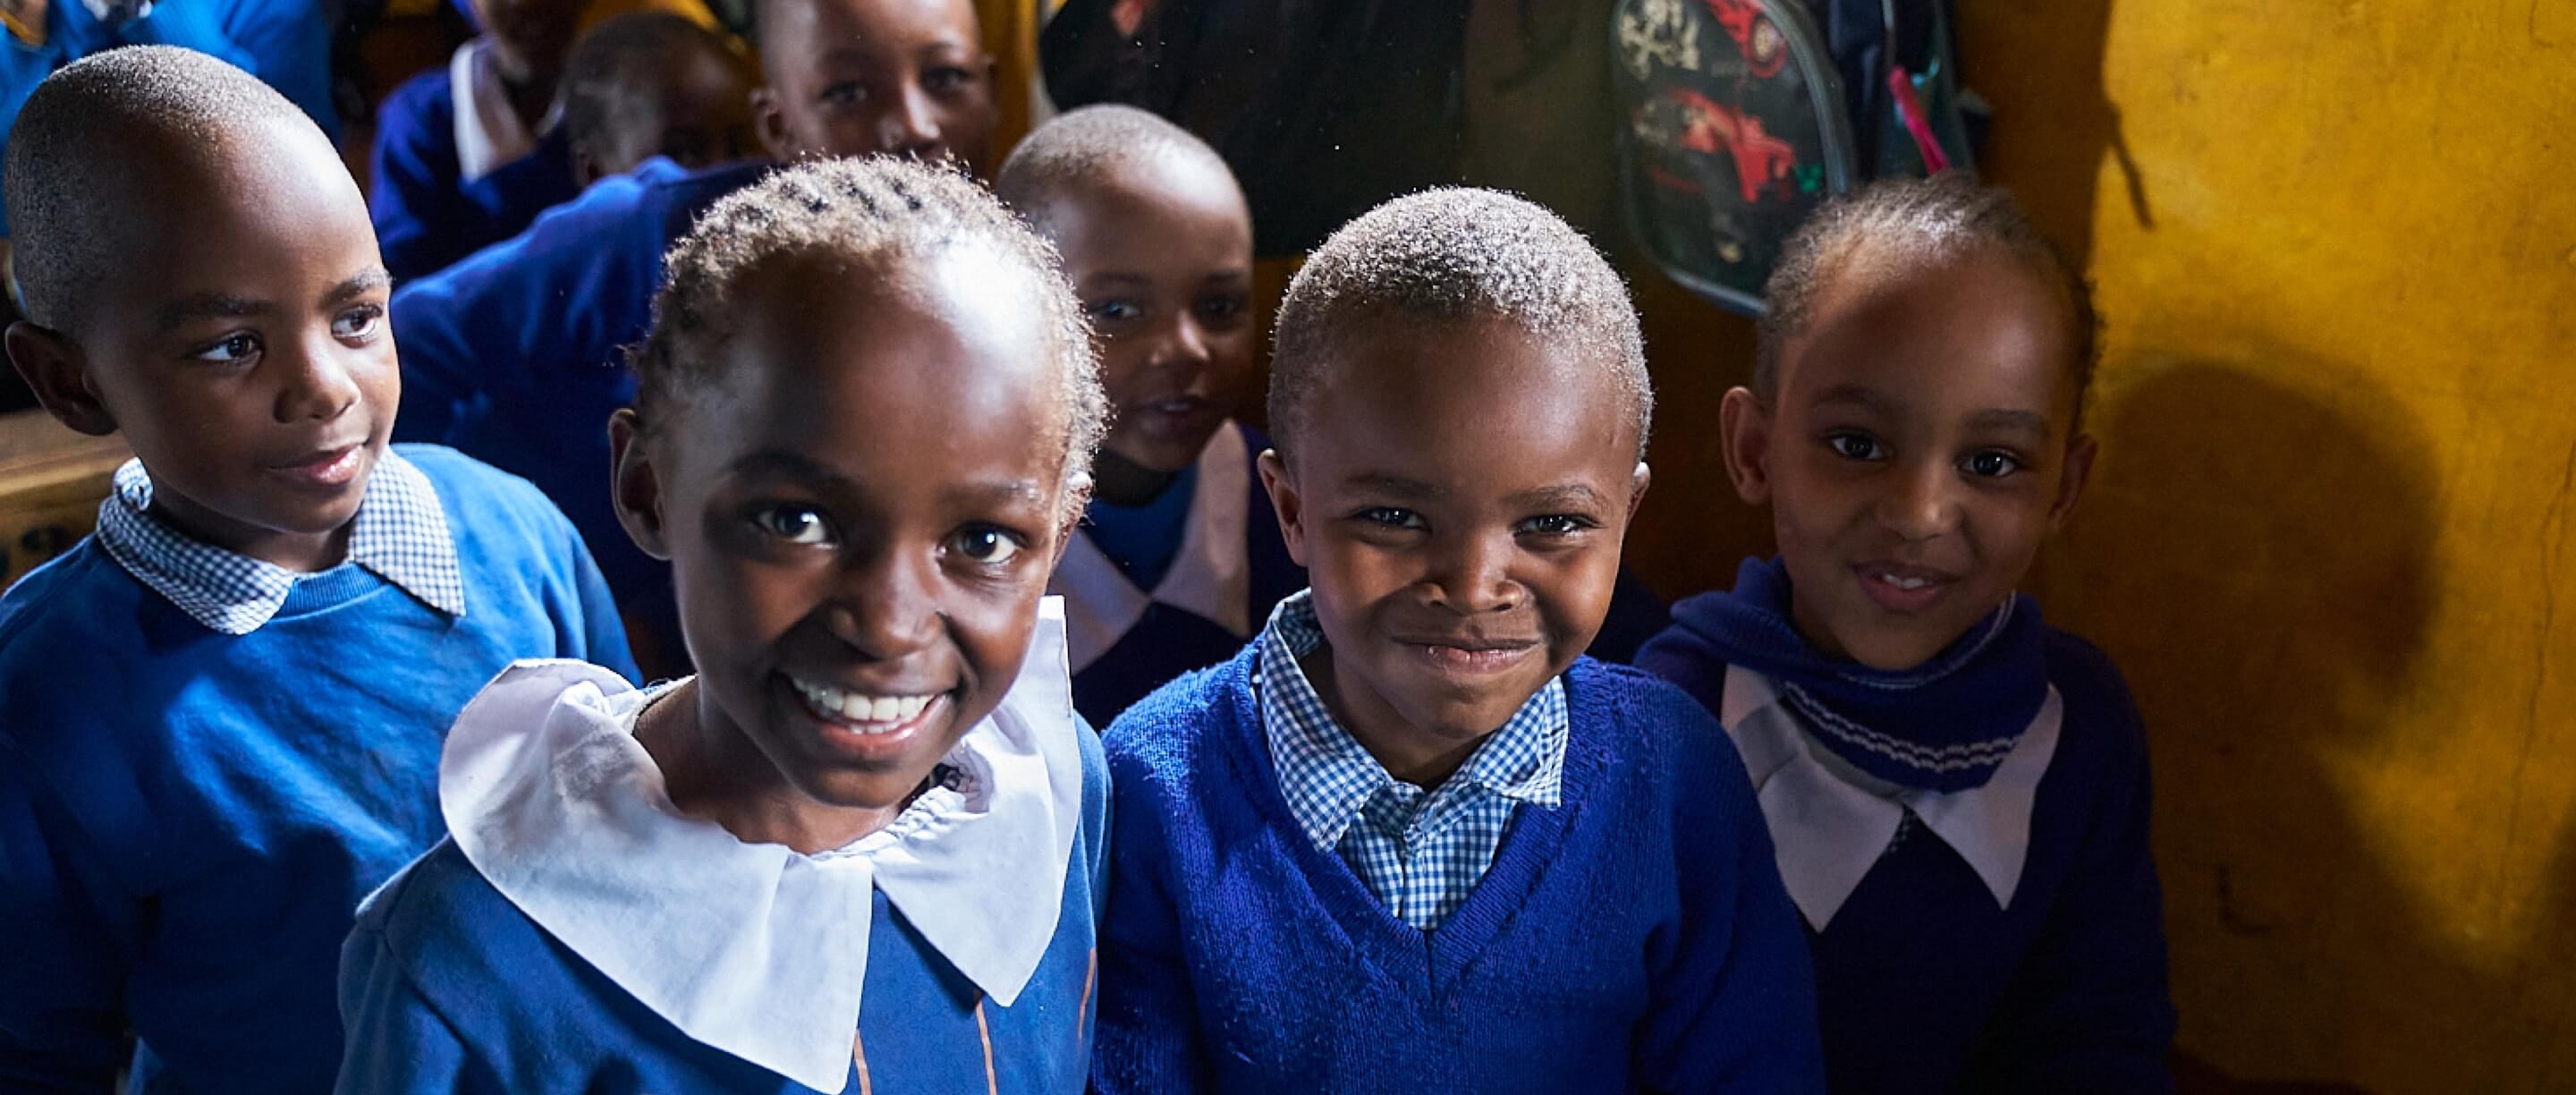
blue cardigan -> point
(188, 819)
(427, 216)
(1635, 938)
(1925, 986)
(457, 991)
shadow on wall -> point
(2258, 558)
(2052, 158)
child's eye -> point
(987, 545)
(357, 324)
(794, 524)
(233, 348)
(1222, 308)
(1114, 311)
(845, 93)
(1388, 517)
(1558, 524)
(947, 78)
(1856, 446)
(1991, 464)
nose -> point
(885, 606)
(315, 383)
(1472, 574)
(910, 127)
(1923, 504)
(1183, 346)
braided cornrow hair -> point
(876, 212)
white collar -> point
(1210, 577)
(489, 133)
(1831, 822)
(752, 948)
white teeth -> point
(1904, 583)
(868, 714)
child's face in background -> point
(1161, 254)
(857, 77)
(1459, 497)
(696, 110)
(529, 38)
(240, 342)
(861, 509)
(1919, 449)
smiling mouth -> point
(1900, 588)
(865, 714)
(1469, 656)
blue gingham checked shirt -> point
(1421, 852)
(400, 534)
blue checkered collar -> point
(400, 534)
(1328, 778)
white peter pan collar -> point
(1830, 822)
(752, 948)
(1210, 577)
(488, 132)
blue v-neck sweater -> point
(1634, 938)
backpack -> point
(1743, 116)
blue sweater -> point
(425, 974)
(513, 355)
(1925, 986)
(427, 216)
(1635, 938)
(188, 819)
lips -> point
(324, 469)
(1178, 415)
(1468, 655)
(869, 725)
(1903, 588)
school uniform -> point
(515, 355)
(286, 43)
(1966, 841)
(1571, 911)
(1154, 591)
(209, 760)
(578, 934)
(455, 169)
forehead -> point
(808, 33)
(1147, 212)
(1478, 403)
(267, 211)
(1980, 329)
(905, 375)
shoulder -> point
(58, 620)
(419, 110)
(1159, 746)
(447, 930)
(2099, 711)
(475, 495)
(1653, 734)
(1644, 705)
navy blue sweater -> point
(427, 216)
(188, 819)
(1634, 938)
(1925, 986)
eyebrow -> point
(2031, 422)
(805, 471)
(1868, 399)
(1396, 486)
(364, 282)
(1560, 496)
(196, 306)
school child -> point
(225, 706)
(861, 850)
(514, 356)
(1408, 836)
(438, 192)
(1957, 791)
(1178, 558)
(653, 83)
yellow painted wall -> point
(2333, 534)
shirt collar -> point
(400, 534)
(754, 949)
(1831, 821)
(1210, 576)
(1328, 778)
(489, 134)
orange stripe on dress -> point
(1090, 975)
(859, 1057)
(991, 1086)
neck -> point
(1407, 753)
(1123, 482)
(530, 98)
(714, 773)
(303, 553)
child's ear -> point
(57, 370)
(635, 485)
(2070, 482)
(1285, 501)
(1074, 508)
(771, 122)
(1637, 481)
(1744, 429)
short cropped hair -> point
(618, 53)
(66, 145)
(1449, 255)
(878, 212)
(1916, 222)
(1082, 147)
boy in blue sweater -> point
(1958, 792)
(861, 850)
(468, 153)
(516, 355)
(225, 707)
(1408, 838)
(1178, 558)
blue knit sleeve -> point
(602, 629)
(2091, 1010)
(1734, 1005)
(61, 972)
(414, 194)
(394, 1042)
(1148, 1040)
